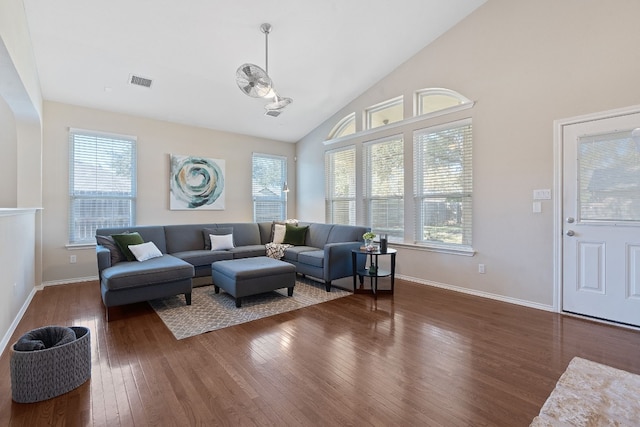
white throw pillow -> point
(145, 251)
(278, 233)
(220, 243)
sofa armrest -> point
(337, 259)
(104, 258)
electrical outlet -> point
(481, 268)
(72, 259)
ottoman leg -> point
(187, 298)
(290, 291)
(216, 289)
(238, 302)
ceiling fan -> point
(255, 82)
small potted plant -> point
(368, 240)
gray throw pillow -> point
(216, 232)
(108, 242)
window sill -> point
(79, 246)
(462, 251)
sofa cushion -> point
(149, 233)
(206, 232)
(203, 257)
(244, 233)
(133, 274)
(114, 251)
(314, 258)
(318, 234)
(248, 251)
(295, 235)
(291, 254)
(124, 240)
(346, 233)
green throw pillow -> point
(124, 240)
(295, 235)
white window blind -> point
(609, 177)
(102, 183)
(269, 173)
(443, 184)
(384, 187)
(340, 186)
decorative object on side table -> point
(383, 244)
(368, 241)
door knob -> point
(570, 233)
(570, 220)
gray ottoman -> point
(250, 276)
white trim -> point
(102, 134)
(558, 127)
(436, 91)
(69, 281)
(481, 294)
(18, 211)
(462, 250)
(16, 321)
(400, 123)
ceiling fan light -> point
(279, 103)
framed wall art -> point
(196, 183)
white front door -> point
(601, 218)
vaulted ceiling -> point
(323, 54)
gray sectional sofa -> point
(325, 255)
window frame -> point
(464, 102)
(76, 195)
(330, 198)
(339, 129)
(466, 194)
(369, 196)
(281, 199)
(377, 108)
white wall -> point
(526, 64)
(21, 176)
(156, 140)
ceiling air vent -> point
(140, 81)
(272, 113)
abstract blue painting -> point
(196, 183)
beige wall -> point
(156, 140)
(526, 64)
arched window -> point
(436, 99)
(346, 126)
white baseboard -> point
(68, 281)
(14, 325)
(478, 293)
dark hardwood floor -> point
(424, 356)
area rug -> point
(591, 394)
(210, 311)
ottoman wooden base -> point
(251, 276)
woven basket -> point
(44, 374)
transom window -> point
(384, 113)
(436, 99)
(102, 183)
(346, 126)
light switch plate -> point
(544, 194)
(537, 207)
